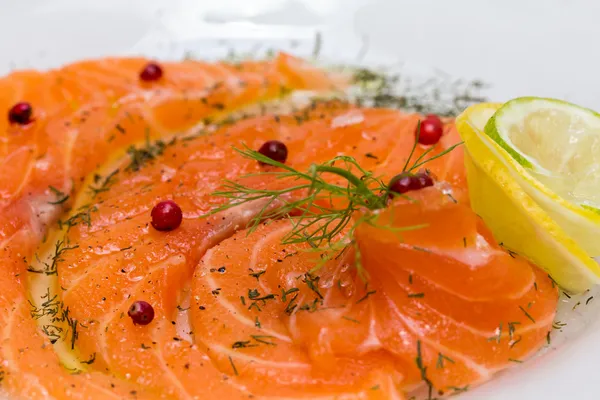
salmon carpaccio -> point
(238, 314)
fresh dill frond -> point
(320, 223)
(322, 211)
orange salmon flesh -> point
(238, 314)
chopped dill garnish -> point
(255, 340)
(588, 300)
(351, 319)
(102, 185)
(457, 390)
(284, 293)
(60, 196)
(254, 295)
(498, 335)
(554, 284)
(312, 281)
(291, 305)
(515, 360)
(369, 293)
(84, 215)
(121, 130)
(527, 314)
(514, 342)
(51, 306)
(151, 150)
(423, 370)
(421, 249)
(438, 95)
(440, 360)
(511, 329)
(51, 268)
(90, 360)
(242, 344)
(558, 325)
(235, 371)
(311, 306)
(257, 274)
(264, 339)
(416, 295)
(326, 228)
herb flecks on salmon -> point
(85, 115)
(255, 293)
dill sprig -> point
(323, 213)
(320, 224)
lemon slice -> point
(557, 144)
(499, 189)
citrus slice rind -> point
(515, 217)
(580, 221)
(556, 141)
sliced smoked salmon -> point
(237, 313)
(84, 115)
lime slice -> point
(499, 189)
(557, 147)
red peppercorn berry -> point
(166, 216)
(424, 180)
(151, 72)
(20, 113)
(406, 182)
(430, 130)
(275, 150)
(141, 313)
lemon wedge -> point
(519, 209)
(558, 145)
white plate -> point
(521, 47)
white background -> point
(521, 47)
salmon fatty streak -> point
(194, 230)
